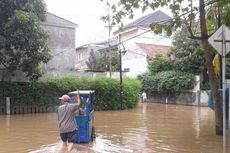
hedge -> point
(169, 82)
(46, 91)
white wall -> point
(137, 64)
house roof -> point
(145, 21)
(103, 44)
(151, 49)
(53, 19)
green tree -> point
(160, 63)
(23, 43)
(102, 62)
(186, 52)
(187, 14)
(115, 61)
(169, 82)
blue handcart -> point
(85, 116)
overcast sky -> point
(87, 14)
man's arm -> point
(75, 106)
(78, 101)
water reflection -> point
(149, 128)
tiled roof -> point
(151, 50)
(146, 21)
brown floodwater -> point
(149, 128)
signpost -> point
(220, 40)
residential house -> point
(83, 52)
(98, 48)
(141, 44)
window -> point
(79, 58)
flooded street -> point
(148, 128)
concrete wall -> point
(115, 75)
(185, 99)
(199, 98)
(203, 99)
(62, 44)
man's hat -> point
(66, 98)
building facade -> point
(141, 44)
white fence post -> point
(8, 105)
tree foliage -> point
(104, 61)
(160, 63)
(92, 61)
(166, 78)
(187, 53)
(183, 11)
(101, 62)
(23, 43)
(169, 82)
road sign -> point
(216, 40)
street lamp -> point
(121, 81)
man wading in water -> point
(67, 122)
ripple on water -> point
(100, 145)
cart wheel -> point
(93, 135)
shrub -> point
(106, 94)
(131, 92)
(160, 63)
(169, 82)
